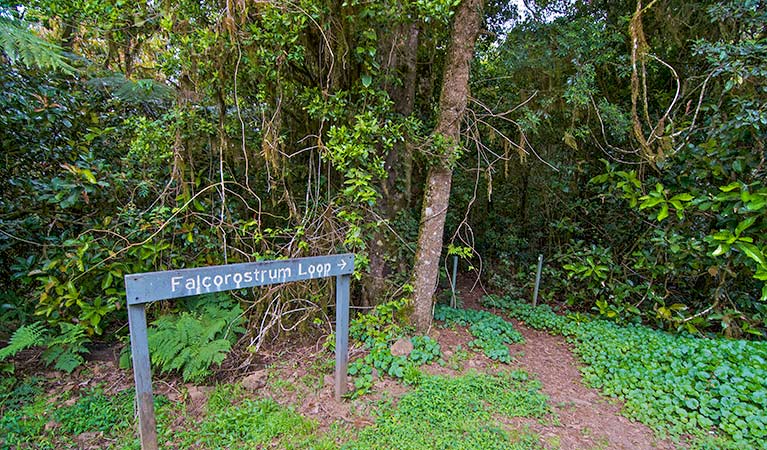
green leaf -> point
(732, 186)
(663, 212)
(683, 197)
(757, 204)
(742, 226)
(107, 281)
(649, 202)
(89, 176)
(366, 80)
(752, 251)
(600, 178)
(723, 235)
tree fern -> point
(22, 45)
(25, 337)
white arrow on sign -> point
(342, 264)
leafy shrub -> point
(540, 317)
(192, 342)
(381, 324)
(380, 358)
(490, 331)
(679, 384)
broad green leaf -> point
(89, 176)
(730, 187)
(600, 178)
(107, 281)
(663, 212)
(723, 235)
(682, 197)
(649, 202)
(742, 226)
(757, 203)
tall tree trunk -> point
(452, 104)
(401, 50)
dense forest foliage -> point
(623, 140)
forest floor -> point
(586, 420)
(301, 377)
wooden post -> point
(453, 280)
(342, 333)
(537, 280)
(143, 376)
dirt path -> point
(586, 419)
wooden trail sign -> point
(143, 288)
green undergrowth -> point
(491, 333)
(676, 384)
(459, 413)
(233, 421)
(378, 330)
(35, 424)
(95, 419)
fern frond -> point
(192, 343)
(139, 91)
(25, 337)
(211, 353)
(66, 348)
(20, 44)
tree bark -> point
(452, 104)
(401, 51)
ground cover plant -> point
(458, 413)
(95, 419)
(232, 420)
(35, 425)
(491, 333)
(377, 331)
(675, 384)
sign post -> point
(143, 288)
